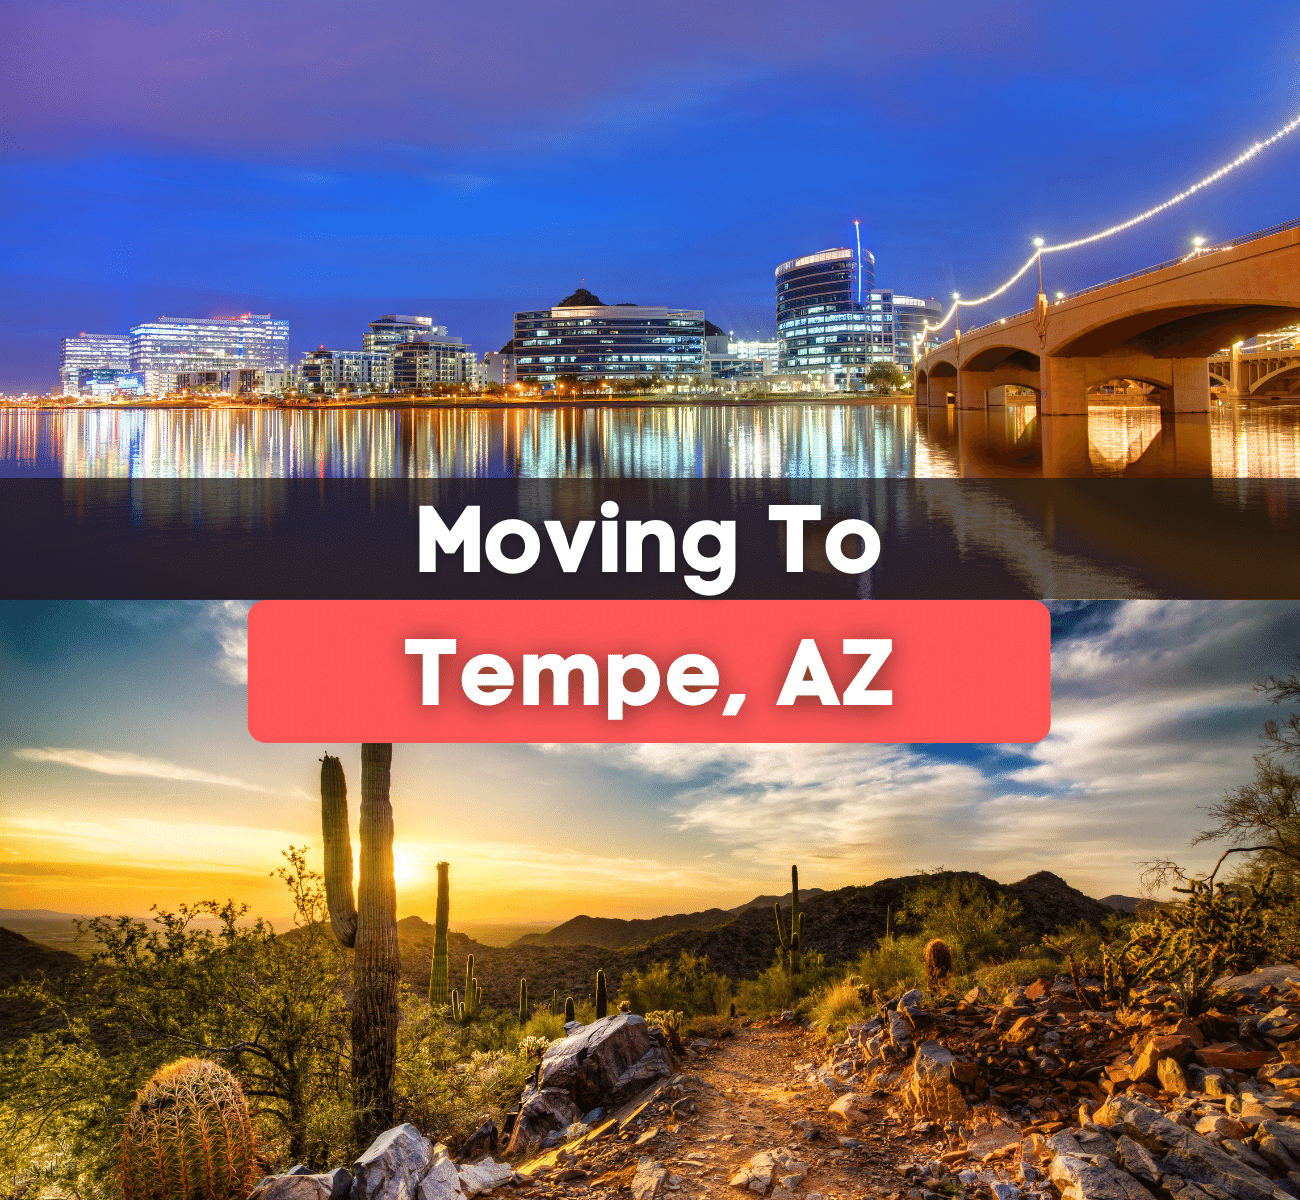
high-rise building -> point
(822, 306)
(910, 315)
(171, 346)
(498, 366)
(583, 337)
(91, 351)
(394, 328)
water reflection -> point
(654, 441)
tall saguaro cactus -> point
(438, 969)
(602, 996)
(792, 939)
(370, 928)
(523, 1002)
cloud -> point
(124, 763)
(229, 621)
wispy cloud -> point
(229, 620)
(124, 763)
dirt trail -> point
(737, 1100)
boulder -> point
(649, 1179)
(1179, 1047)
(543, 1112)
(1253, 985)
(1138, 1161)
(931, 1092)
(392, 1165)
(901, 1033)
(757, 1174)
(1079, 1179)
(1219, 1127)
(1171, 1076)
(441, 1181)
(847, 1107)
(1024, 1030)
(979, 994)
(1235, 1058)
(482, 1141)
(483, 1176)
(1287, 1133)
(605, 1063)
(334, 1185)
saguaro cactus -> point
(568, 1010)
(602, 997)
(791, 940)
(464, 1011)
(188, 1137)
(370, 927)
(338, 850)
(523, 1002)
(438, 968)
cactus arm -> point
(338, 850)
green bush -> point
(686, 986)
(978, 925)
(998, 978)
(895, 965)
(775, 990)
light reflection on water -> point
(794, 440)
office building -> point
(583, 337)
(104, 382)
(232, 381)
(768, 352)
(333, 372)
(91, 351)
(171, 346)
(823, 303)
(910, 315)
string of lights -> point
(1041, 248)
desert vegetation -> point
(297, 1046)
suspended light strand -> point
(1214, 177)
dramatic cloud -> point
(229, 620)
(124, 763)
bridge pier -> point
(1065, 388)
(974, 389)
(939, 386)
(1191, 390)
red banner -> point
(649, 671)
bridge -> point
(1158, 326)
(1263, 371)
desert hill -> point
(614, 932)
(840, 924)
(20, 959)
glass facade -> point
(824, 316)
(608, 340)
(91, 351)
(910, 315)
(171, 346)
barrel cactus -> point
(938, 964)
(569, 1012)
(189, 1137)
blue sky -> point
(130, 778)
(329, 162)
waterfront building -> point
(330, 372)
(91, 351)
(823, 304)
(171, 346)
(583, 337)
(232, 381)
(732, 368)
(393, 329)
(910, 315)
(769, 352)
(418, 366)
(498, 366)
(102, 382)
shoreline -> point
(436, 402)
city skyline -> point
(294, 192)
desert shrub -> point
(444, 1091)
(999, 977)
(977, 925)
(708, 1026)
(268, 1007)
(837, 1005)
(893, 966)
(545, 1025)
(687, 986)
(775, 990)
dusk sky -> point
(131, 778)
(328, 162)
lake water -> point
(792, 440)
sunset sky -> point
(130, 778)
(328, 161)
